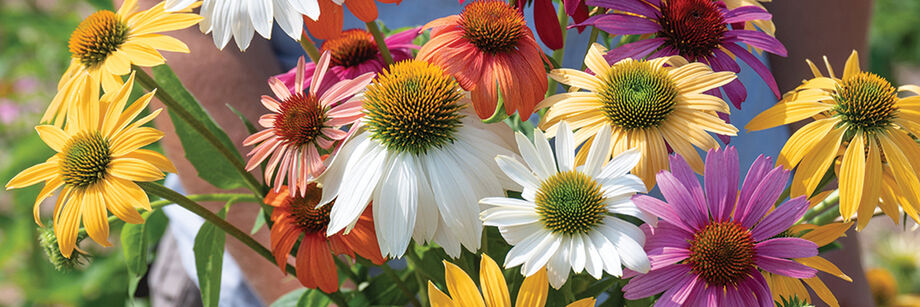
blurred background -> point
(33, 54)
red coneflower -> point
(489, 44)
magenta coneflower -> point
(708, 248)
(303, 126)
(699, 30)
(354, 53)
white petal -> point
(289, 20)
(242, 27)
(506, 216)
(611, 255)
(565, 147)
(459, 207)
(625, 206)
(306, 7)
(529, 153)
(515, 234)
(557, 269)
(523, 250)
(632, 255)
(626, 228)
(544, 151)
(508, 202)
(363, 177)
(621, 164)
(446, 239)
(175, 5)
(260, 14)
(395, 205)
(518, 172)
(223, 16)
(542, 252)
(599, 152)
(577, 253)
(426, 220)
(593, 264)
(622, 186)
(350, 152)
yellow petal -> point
(116, 104)
(141, 55)
(910, 88)
(154, 158)
(119, 203)
(852, 175)
(683, 148)
(438, 298)
(67, 226)
(821, 83)
(127, 7)
(814, 69)
(705, 83)
(582, 101)
(703, 102)
(133, 110)
(817, 162)
(823, 265)
(585, 302)
(118, 63)
(133, 139)
(830, 70)
(53, 136)
(802, 141)
(162, 42)
(872, 186)
(576, 78)
(129, 192)
(95, 217)
(595, 61)
(134, 170)
(50, 186)
(461, 286)
(852, 65)
(494, 288)
(901, 167)
(534, 289)
(785, 113)
(826, 234)
(32, 175)
(822, 291)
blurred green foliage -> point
(894, 37)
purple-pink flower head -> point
(700, 30)
(710, 244)
(355, 53)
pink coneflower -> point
(354, 53)
(302, 126)
(708, 248)
(699, 30)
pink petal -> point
(271, 104)
(268, 120)
(681, 170)
(635, 50)
(320, 72)
(666, 256)
(345, 89)
(655, 281)
(298, 77)
(324, 143)
(278, 87)
(784, 267)
(314, 162)
(660, 209)
(682, 289)
(349, 108)
(273, 162)
(260, 153)
(783, 217)
(787, 248)
(680, 199)
(764, 196)
(746, 13)
(631, 6)
(334, 134)
(258, 137)
(721, 180)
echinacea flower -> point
(698, 30)
(709, 248)
(489, 44)
(303, 126)
(298, 215)
(354, 53)
(239, 19)
(860, 119)
(329, 23)
(566, 220)
(97, 163)
(106, 44)
(421, 159)
(657, 106)
(533, 291)
(784, 287)
(765, 24)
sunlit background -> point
(33, 53)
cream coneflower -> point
(239, 19)
(421, 158)
(860, 119)
(303, 126)
(98, 160)
(107, 43)
(650, 106)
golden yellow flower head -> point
(863, 123)
(98, 159)
(463, 291)
(106, 44)
(648, 104)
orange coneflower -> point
(314, 264)
(489, 44)
(329, 23)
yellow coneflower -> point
(97, 162)
(106, 44)
(649, 105)
(463, 290)
(789, 287)
(860, 119)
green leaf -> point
(260, 221)
(382, 290)
(134, 243)
(249, 126)
(211, 165)
(312, 298)
(290, 299)
(102, 4)
(209, 258)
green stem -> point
(190, 205)
(415, 263)
(166, 98)
(381, 44)
(828, 203)
(338, 298)
(567, 292)
(309, 47)
(828, 216)
(347, 270)
(591, 40)
(387, 270)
